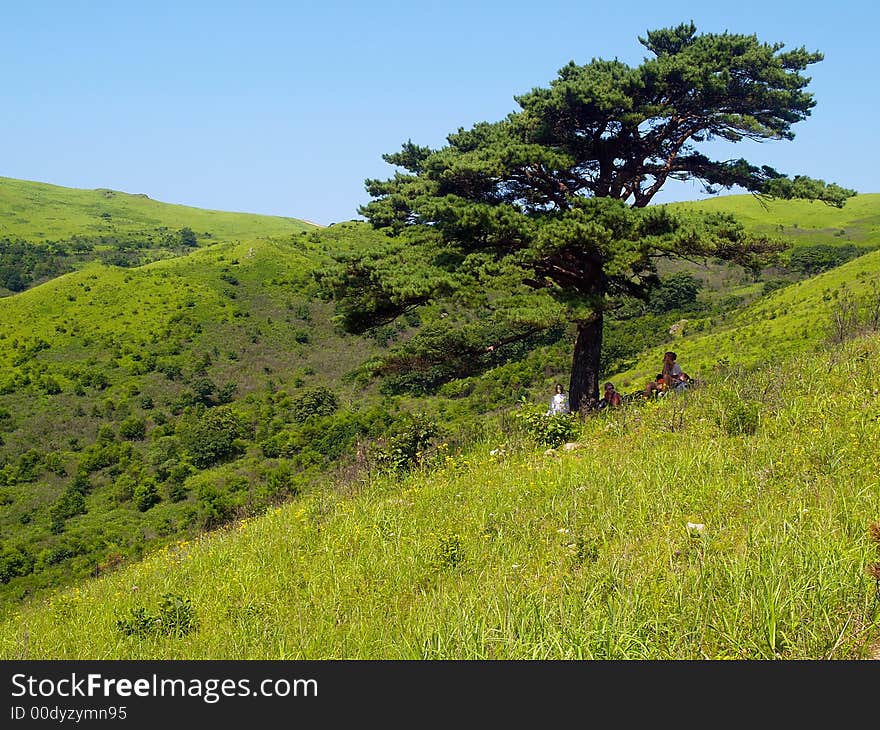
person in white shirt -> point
(559, 401)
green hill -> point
(188, 387)
(732, 523)
(38, 211)
(46, 230)
(112, 380)
(802, 222)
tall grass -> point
(526, 555)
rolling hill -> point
(37, 211)
(193, 387)
(721, 525)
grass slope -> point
(239, 297)
(110, 361)
(38, 211)
(802, 222)
(779, 324)
(519, 554)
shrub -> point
(226, 392)
(187, 237)
(548, 430)
(28, 465)
(214, 506)
(106, 435)
(124, 488)
(677, 291)
(69, 504)
(14, 562)
(50, 385)
(811, 260)
(449, 553)
(133, 428)
(213, 437)
(281, 482)
(55, 463)
(310, 402)
(176, 618)
(737, 416)
(146, 495)
(176, 491)
(98, 456)
(405, 447)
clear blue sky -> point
(286, 107)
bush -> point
(69, 504)
(187, 237)
(54, 462)
(124, 488)
(98, 456)
(213, 437)
(318, 401)
(146, 495)
(133, 428)
(281, 483)
(176, 618)
(449, 553)
(405, 448)
(736, 415)
(548, 430)
(677, 291)
(215, 507)
(50, 385)
(14, 562)
(811, 260)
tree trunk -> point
(583, 389)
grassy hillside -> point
(142, 404)
(785, 321)
(509, 552)
(781, 323)
(46, 230)
(139, 405)
(802, 222)
(37, 211)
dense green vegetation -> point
(737, 521)
(47, 230)
(138, 405)
(142, 405)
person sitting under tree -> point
(611, 398)
(559, 401)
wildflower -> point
(695, 529)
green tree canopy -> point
(542, 218)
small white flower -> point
(695, 527)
